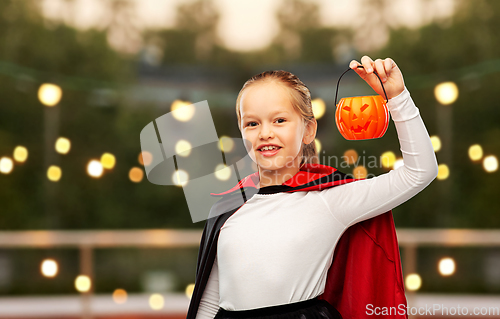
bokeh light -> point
(222, 172)
(475, 152)
(436, 143)
(83, 283)
(490, 163)
(350, 156)
(180, 177)
(49, 268)
(183, 148)
(6, 165)
(145, 158)
(136, 174)
(446, 93)
(446, 266)
(226, 144)
(120, 296)
(388, 159)
(63, 145)
(108, 160)
(413, 282)
(20, 154)
(443, 172)
(360, 172)
(54, 173)
(182, 110)
(318, 108)
(49, 94)
(94, 168)
(156, 301)
(189, 290)
(318, 145)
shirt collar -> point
(309, 177)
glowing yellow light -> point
(318, 145)
(398, 163)
(54, 173)
(222, 172)
(20, 154)
(475, 152)
(182, 110)
(63, 145)
(83, 283)
(49, 94)
(446, 92)
(413, 282)
(180, 177)
(156, 301)
(443, 171)
(359, 172)
(119, 296)
(446, 266)
(388, 158)
(135, 174)
(350, 156)
(226, 144)
(94, 168)
(108, 160)
(49, 268)
(189, 290)
(145, 158)
(436, 143)
(318, 108)
(490, 163)
(183, 148)
(6, 165)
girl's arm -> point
(209, 303)
(360, 200)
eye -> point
(249, 123)
(280, 119)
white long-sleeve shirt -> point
(277, 248)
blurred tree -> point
(465, 49)
(193, 39)
(302, 38)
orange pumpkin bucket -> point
(362, 117)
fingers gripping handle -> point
(359, 66)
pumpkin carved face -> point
(362, 117)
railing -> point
(86, 241)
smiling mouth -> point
(269, 150)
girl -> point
(270, 258)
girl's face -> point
(268, 118)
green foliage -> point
(454, 50)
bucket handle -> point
(359, 66)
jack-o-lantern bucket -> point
(362, 117)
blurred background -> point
(83, 233)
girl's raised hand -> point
(388, 71)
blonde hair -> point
(300, 97)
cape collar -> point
(309, 177)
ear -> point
(310, 132)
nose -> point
(266, 132)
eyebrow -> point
(272, 114)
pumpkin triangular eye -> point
(347, 108)
(363, 108)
